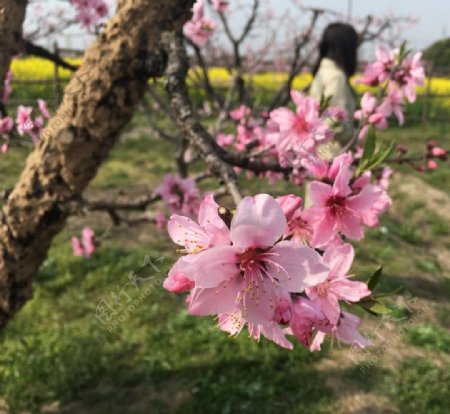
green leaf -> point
(382, 154)
(380, 309)
(376, 159)
(366, 304)
(373, 306)
(374, 279)
(369, 148)
(403, 52)
(324, 102)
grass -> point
(154, 357)
(419, 386)
(66, 349)
(429, 337)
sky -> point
(434, 15)
(433, 24)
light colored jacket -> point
(331, 80)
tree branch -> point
(36, 50)
(12, 15)
(187, 121)
(282, 96)
(97, 104)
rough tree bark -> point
(97, 103)
(186, 118)
(12, 15)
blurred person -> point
(335, 65)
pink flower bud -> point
(178, 282)
(401, 149)
(438, 152)
(431, 165)
(420, 168)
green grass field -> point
(152, 357)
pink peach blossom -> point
(393, 104)
(198, 10)
(23, 119)
(160, 220)
(371, 114)
(290, 204)
(200, 31)
(307, 318)
(43, 109)
(90, 12)
(224, 140)
(240, 113)
(251, 273)
(220, 6)
(85, 246)
(208, 232)
(233, 323)
(180, 195)
(384, 179)
(381, 203)
(345, 332)
(329, 289)
(7, 89)
(6, 125)
(338, 208)
(299, 131)
(177, 281)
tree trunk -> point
(12, 15)
(97, 103)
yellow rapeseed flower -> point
(33, 68)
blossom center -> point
(322, 289)
(300, 229)
(248, 260)
(336, 205)
(178, 192)
(301, 126)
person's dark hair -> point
(339, 43)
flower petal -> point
(320, 192)
(215, 300)
(213, 266)
(347, 332)
(317, 341)
(259, 222)
(330, 307)
(295, 266)
(177, 281)
(340, 186)
(350, 225)
(209, 219)
(258, 304)
(186, 232)
(324, 232)
(231, 322)
(274, 332)
(365, 199)
(290, 204)
(350, 290)
(339, 259)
